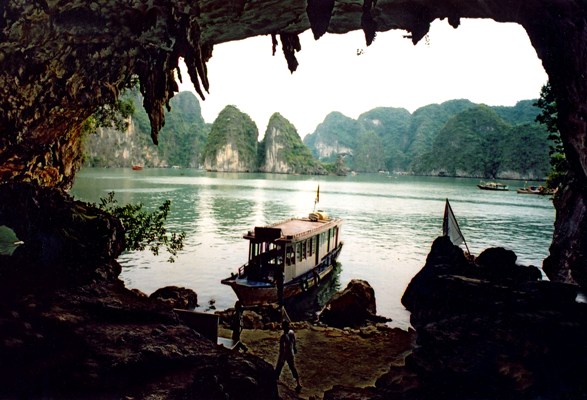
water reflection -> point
(306, 306)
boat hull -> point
(252, 293)
(494, 188)
(543, 192)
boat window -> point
(304, 248)
(310, 247)
(254, 250)
(299, 251)
(290, 256)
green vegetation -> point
(184, 135)
(549, 118)
(380, 126)
(336, 168)
(369, 152)
(181, 140)
(144, 229)
(468, 144)
(282, 135)
(338, 133)
(113, 115)
(457, 137)
(478, 142)
(425, 124)
(235, 128)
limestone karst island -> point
(94, 84)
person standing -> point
(287, 351)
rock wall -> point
(112, 148)
(227, 159)
(326, 150)
(273, 163)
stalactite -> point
(274, 42)
(319, 13)
(290, 42)
(368, 24)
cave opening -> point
(482, 60)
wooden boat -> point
(493, 186)
(137, 167)
(539, 190)
(287, 259)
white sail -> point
(450, 227)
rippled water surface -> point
(389, 224)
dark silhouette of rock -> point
(500, 264)
(487, 329)
(58, 233)
(352, 307)
(176, 297)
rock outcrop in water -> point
(232, 143)
(283, 151)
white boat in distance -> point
(287, 258)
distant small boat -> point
(539, 190)
(493, 186)
(137, 167)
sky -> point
(482, 60)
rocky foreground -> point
(329, 357)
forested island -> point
(455, 138)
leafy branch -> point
(144, 229)
(549, 117)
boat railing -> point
(241, 270)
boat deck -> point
(292, 229)
(295, 227)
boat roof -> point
(292, 229)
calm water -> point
(390, 223)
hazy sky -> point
(482, 60)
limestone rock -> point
(482, 336)
(500, 264)
(352, 307)
(176, 297)
(284, 151)
(58, 234)
(485, 335)
(232, 143)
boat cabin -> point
(294, 246)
